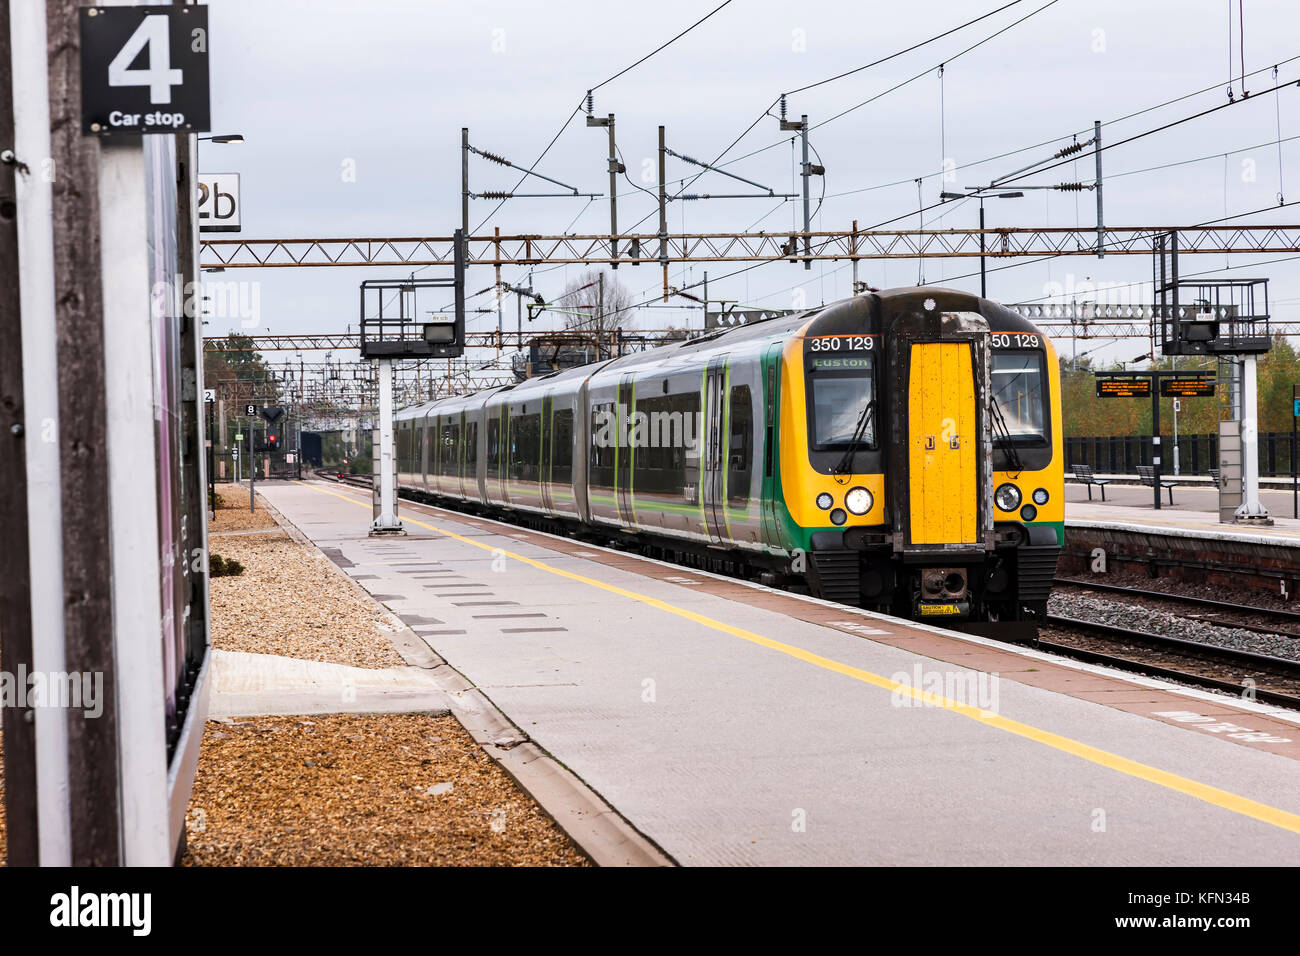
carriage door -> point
(771, 413)
(712, 465)
(942, 429)
(624, 452)
(545, 426)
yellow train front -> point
(899, 451)
(921, 462)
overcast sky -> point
(383, 87)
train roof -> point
(999, 317)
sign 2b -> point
(144, 70)
(218, 202)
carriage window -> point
(841, 390)
(525, 447)
(494, 446)
(740, 445)
(604, 433)
(666, 433)
(450, 458)
(562, 446)
(471, 449)
(1018, 390)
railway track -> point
(1274, 680)
(1223, 613)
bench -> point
(1147, 476)
(1084, 475)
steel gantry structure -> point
(674, 249)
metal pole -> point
(252, 465)
(613, 194)
(853, 248)
(1295, 475)
(1155, 437)
(807, 222)
(464, 182)
(663, 215)
(212, 463)
(1176, 462)
(983, 280)
(1101, 229)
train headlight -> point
(838, 516)
(1007, 497)
(858, 500)
(1028, 513)
(1040, 496)
(824, 501)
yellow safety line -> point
(1171, 781)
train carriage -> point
(899, 451)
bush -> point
(219, 567)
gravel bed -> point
(1080, 605)
(233, 514)
(290, 600)
(354, 790)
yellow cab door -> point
(942, 443)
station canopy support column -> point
(1251, 509)
(386, 520)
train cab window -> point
(740, 445)
(841, 390)
(562, 447)
(1017, 381)
(494, 446)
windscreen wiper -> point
(845, 465)
(1002, 438)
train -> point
(898, 451)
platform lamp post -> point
(982, 193)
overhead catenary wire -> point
(582, 101)
(921, 211)
(767, 109)
(1128, 116)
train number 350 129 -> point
(836, 343)
(1014, 340)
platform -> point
(1195, 511)
(1185, 541)
(731, 723)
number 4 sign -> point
(144, 70)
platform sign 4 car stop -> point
(144, 70)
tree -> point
(595, 302)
